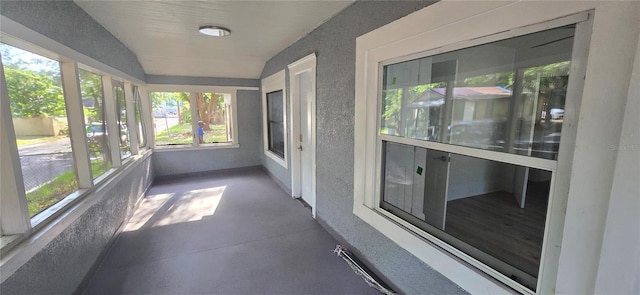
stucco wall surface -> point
(66, 23)
(184, 161)
(64, 262)
(334, 43)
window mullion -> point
(13, 210)
(513, 125)
(234, 116)
(75, 117)
(147, 115)
(131, 118)
(113, 131)
(194, 117)
(538, 163)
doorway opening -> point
(302, 81)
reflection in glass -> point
(95, 122)
(275, 121)
(540, 110)
(506, 96)
(493, 211)
(123, 130)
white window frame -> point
(132, 123)
(192, 90)
(14, 217)
(16, 201)
(425, 33)
(146, 116)
(16, 224)
(139, 105)
(119, 117)
(98, 73)
(275, 82)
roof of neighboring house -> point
(435, 96)
(476, 92)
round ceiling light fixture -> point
(215, 31)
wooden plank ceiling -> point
(164, 34)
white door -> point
(302, 85)
(305, 87)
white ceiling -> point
(164, 34)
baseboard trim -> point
(160, 178)
(277, 181)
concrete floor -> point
(231, 233)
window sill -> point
(431, 251)
(276, 158)
(8, 242)
(50, 213)
(209, 146)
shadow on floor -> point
(231, 233)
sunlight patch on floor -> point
(166, 209)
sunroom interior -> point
(449, 147)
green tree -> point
(392, 101)
(392, 106)
(210, 108)
(161, 99)
(91, 88)
(33, 94)
(184, 114)
(551, 70)
(490, 80)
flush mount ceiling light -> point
(214, 31)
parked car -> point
(162, 112)
(96, 133)
(159, 113)
(478, 133)
(556, 113)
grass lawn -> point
(99, 167)
(28, 140)
(217, 133)
(52, 192)
(57, 189)
(177, 134)
(181, 134)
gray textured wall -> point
(182, 80)
(62, 265)
(334, 42)
(281, 174)
(66, 23)
(175, 162)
